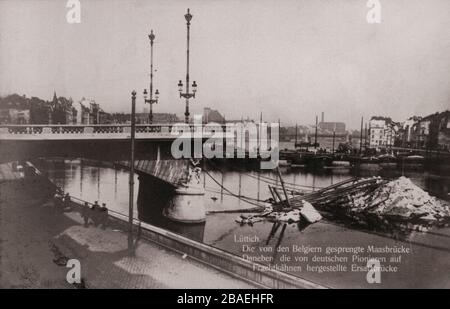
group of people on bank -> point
(95, 214)
(61, 201)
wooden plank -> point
(273, 194)
(337, 194)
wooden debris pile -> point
(381, 204)
(370, 202)
(306, 213)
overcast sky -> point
(289, 59)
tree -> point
(39, 111)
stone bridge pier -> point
(170, 188)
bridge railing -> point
(123, 131)
(84, 129)
(36, 131)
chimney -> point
(323, 117)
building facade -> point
(432, 131)
(212, 115)
(14, 116)
(382, 131)
(15, 109)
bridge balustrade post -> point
(165, 129)
(88, 130)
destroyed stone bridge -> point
(99, 142)
(158, 170)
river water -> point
(305, 251)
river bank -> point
(36, 240)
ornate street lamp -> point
(131, 174)
(187, 95)
(151, 100)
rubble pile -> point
(397, 205)
(248, 219)
(292, 216)
(305, 213)
(402, 200)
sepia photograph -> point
(223, 145)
